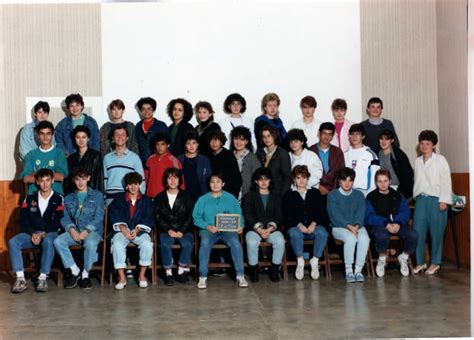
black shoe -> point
(219, 272)
(274, 273)
(168, 280)
(253, 273)
(182, 278)
(85, 283)
(71, 281)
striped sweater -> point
(116, 167)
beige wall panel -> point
(452, 82)
(50, 50)
(398, 48)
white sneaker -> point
(314, 268)
(380, 269)
(299, 273)
(404, 270)
(121, 285)
(242, 282)
(143, 284)
(202, 284)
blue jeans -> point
(362, 242)
(118, 248)
(166, 242)
(253, 240)
(297, 237)
(64, 241)
(407, 234)
(231, 239)
(427, 217)
(23, 241)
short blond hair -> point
(269, 97)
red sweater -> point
(154, 170)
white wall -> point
(207, 50)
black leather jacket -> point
(92, 161)
(180, 218)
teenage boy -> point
(308, 123)
(157, 164)
(118, 163)
(45, 156)
(397, 162)
(235, 106)
(361, 159)
(196, 167)
(346, 209)
(375, 124)
(40, 221)
(306, 216)
(174, 217)
(132, 219)
(147, 127)
(83, 222)
(75, 106)
(269, 105)
(116, 110)
(342, 125)
(331, 158)
(28, 137)
(432, 193)
(387, 214)
(300, 155)
(223, 161)
(218, 201)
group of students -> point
(351, 182)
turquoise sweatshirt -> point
(207, 207)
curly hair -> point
(187, 108)
(235, 97)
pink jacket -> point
(344, 136)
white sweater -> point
(312, 161)
(311, 130)
(365, 164)
(227, 125)
(433, 178)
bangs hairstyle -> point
(218, 134)
(328, 126)
(297, 134)
(259, 174)
(243, 133)
(45, 124)
(357, 128)
(191, 135)
(273, 132)
(219, 175)
(204, 105)
(387, 133)
(235, 97)
(132, 178)
(175, 172)
(41, 105)
(79, 171)
(309, 101)
(383, 172)
(146, 100)
(375, 100)
(187, 109)
(117, 103)
(41, 173)
(428, 135)
(269, 97)
(300, 170)
(339, 104)
(345, 173)
(74, 98)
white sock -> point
(348, 268)
(404, 256)
(42, 276)
(300, 261)
(383, 258)
(358, 268)
(75, 269)
(181, 270)
(85, 274)
(20, 275)
(169, 272)
(315, 260)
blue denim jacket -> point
(92, 215)
(63, 134)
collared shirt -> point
(43, 202)
(132, 204)
(433, 178)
